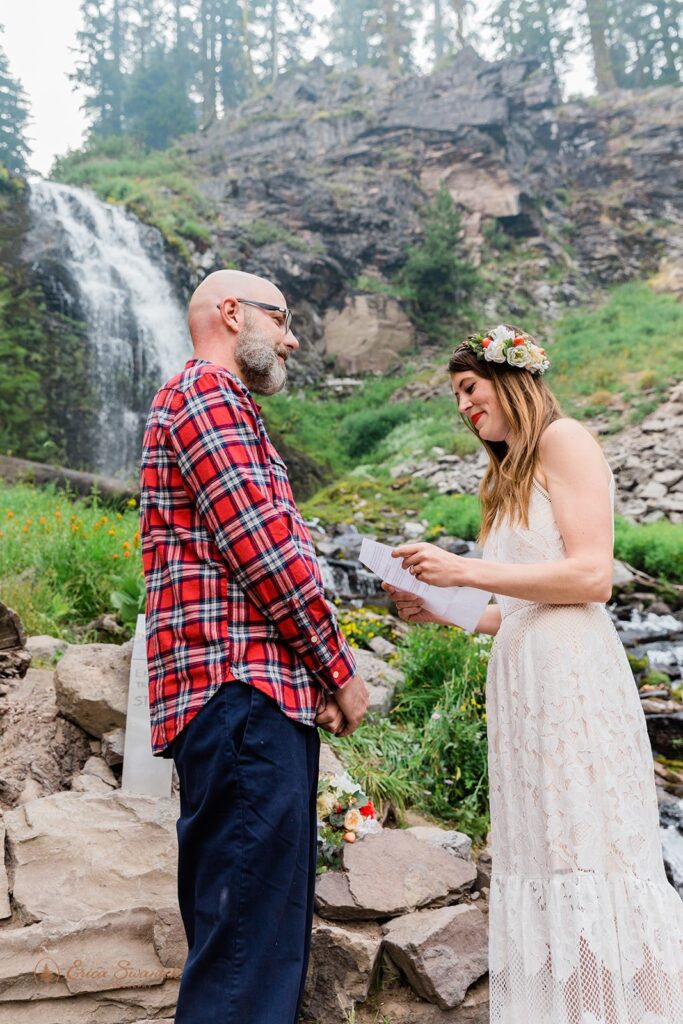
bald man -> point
(245, 660)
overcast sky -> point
(38, 38)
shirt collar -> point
(194, 361)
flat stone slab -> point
(441, 952)
(381, 679)
(78, 854)
(392, 873)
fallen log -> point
(108, 488)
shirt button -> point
(335, 675)
(314, 638)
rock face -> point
(389, 874)
(92, 686)
(39, 750)
(368, 334)
(326, 178)
(441, 952)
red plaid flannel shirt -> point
(234, 590)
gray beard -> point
(261, 370)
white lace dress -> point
(584, 926)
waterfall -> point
(108, 270)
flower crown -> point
(503, 345)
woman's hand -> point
(431, 564)
(410, 607)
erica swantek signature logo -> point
(47, 971)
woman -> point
(584, 926)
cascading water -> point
(109, 272)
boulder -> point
(113, 743)
(381, 679)
(457, 843)
(342, 964)
(391, 873)
(91, 681)
(43, 648)
(14, 657)
(441, 952)
(117, 852)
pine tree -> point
(348, 30)
(158, 107)
(447, 29)
(14, 114)
(99, 66)
(437, 274)
(532, 28)
(598, 19)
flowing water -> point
(109, 269)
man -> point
(245, 659)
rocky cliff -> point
(322, 182)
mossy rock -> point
(655, 679)
(638, 664)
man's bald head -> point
(230, 328)
(202, 314)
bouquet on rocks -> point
(345, 815)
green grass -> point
(431, 752)
(609, 348)
(656, 548)
(61, 558)
(157, 185)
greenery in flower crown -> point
(505, 345)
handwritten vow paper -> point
(463, 606)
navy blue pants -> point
(247, 855)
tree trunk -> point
(439, 41)
(274, 39)
(602, 61)
(248, 60)
(459, 11)
(208, 63)
(391, 37)
(117, 76)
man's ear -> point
(231, 313)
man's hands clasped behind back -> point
(344, 710)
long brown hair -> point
(529, 406)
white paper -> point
(463, 606)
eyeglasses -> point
(287, 313)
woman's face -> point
(477, 399)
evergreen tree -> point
(14, 114)
(348, 30)
(158, 107)
(532, 28)
(447, 28)
(99, 66)
(598, 21)
(437, 274)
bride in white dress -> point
(584, 927)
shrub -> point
(362, 431)
(455, 514)
(656, 548)
(436, 273)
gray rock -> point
(44, 648)
(441, 952)
(91, 682)
(112, 746)
(457, 843)
(381, 646)
(392, 873)
(341, 968)
(382, 680)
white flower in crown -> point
(519, 356)
(495, 353)
(502, 333)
